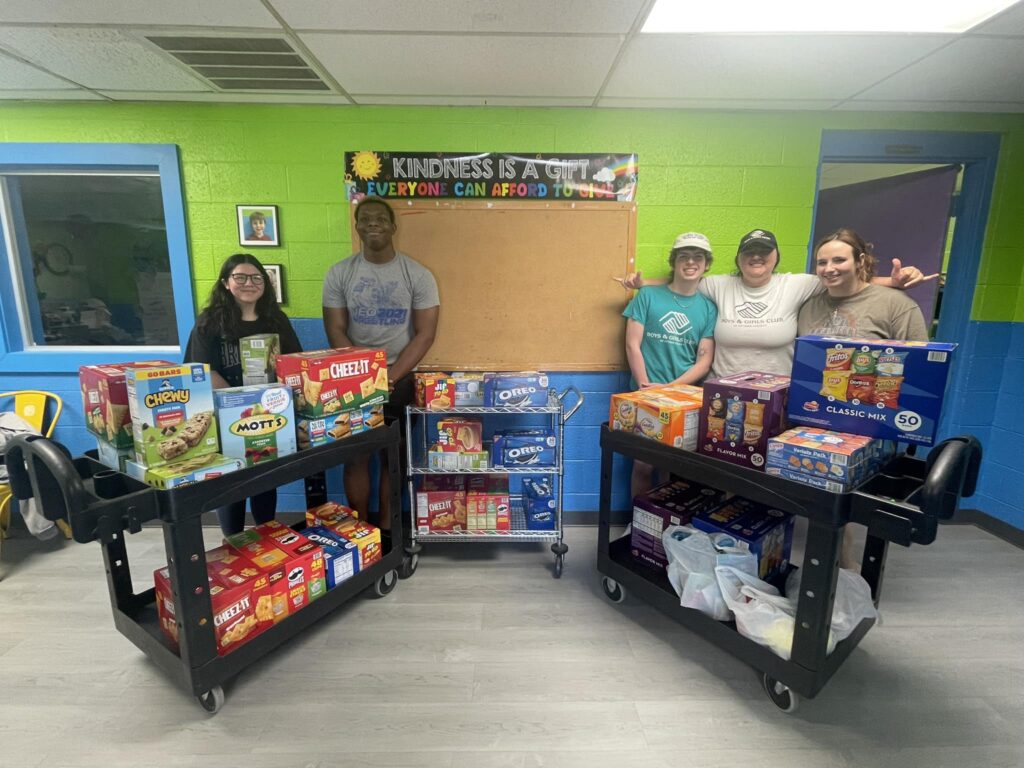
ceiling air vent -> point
(243, 64)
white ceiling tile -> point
(762, 66)
(719, 104)
(473, 101)
(75, 94)
(98, 58)
(971, 69)
(197, 13)
(19, 75)
(540, 16)
(433, 65)
(1009, 22)
(216, 96)
(904, 105)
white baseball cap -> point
(692, 240)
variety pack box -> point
(739, 414)
(105, 400)
(521, 389)
(284, 553)
(672, 503)
(338, 426)
(835, 456)
(256, 422)
(329, 381)
(888, 389)
(766, 532)
(172, 413)
(524, 447)
(182, 473)
(259, 358)
(341, 556)
(435, 391)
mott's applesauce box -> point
(172, 413)
(256, 422)
(672, 503)
(516, 390)
(739, 414)
(182, 473)
(105, 400)
(329, 381)
(435, 391)
(880, 388)
(259, 358)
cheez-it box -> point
(332, 380)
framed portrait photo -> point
(258, 225)
(275, 272)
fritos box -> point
(435, 391)
(259, 358)
(256, 422)
(338, 426)
(188, 472)
(888, 389)
(105, 400)
(341, 556)
(672, 503)
(739, 414)
(329, 381)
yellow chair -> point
(30, 405)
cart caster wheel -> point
(212, 700)
(781, 695)
(613, 590)
(386, 584)
(559, 560)
(408, 566)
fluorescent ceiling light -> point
(944, 16)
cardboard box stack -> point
(448, 503)
(833, 461)
(672, 503)
(764, 531)
(343, 521)
(458, 445)
(256, 422)
(539, 505)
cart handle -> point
(951, 473)
(579, 401)
(42, 468)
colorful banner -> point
(490, 175)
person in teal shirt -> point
(670, 329)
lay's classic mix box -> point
(256, 423)
(875, 387)
(519, 390)
(105, 400)
(329, 381)
(172, 413)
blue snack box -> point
(836, 456)
(521, 389)
(341, 557)
(539, 505)
(832, 486)
(895, 394)
(764, 531)
(524, 448)
(338, 426)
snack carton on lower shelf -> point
(763, 530)
(672, 503)
(188, 472)
(341, 556)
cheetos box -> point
(105, 400)
(739, 414)
(875, 387)
(435, 391)
(329, 381)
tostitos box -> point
(105, 400)
(875, 387)
(256, 422)
(516, 390)
(329, 381)
(739, 414)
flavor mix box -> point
(259, 358)
(739, 414)
(672, 503)
(182, 473)
(172, 413)
(329, 381)
(256, 422)
(888, 389)
(105, 400)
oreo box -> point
(524, 448)
(762, 530)
(739, 414)
(875, 387)
(539, 505)
(672, 503)
(519, 390)
(341, 557)
(256, 423)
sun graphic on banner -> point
(366, 165)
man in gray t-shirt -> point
(380, 298)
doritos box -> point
(524, 447)
(365, 536)
(668, 416)
(435, 391)
(766, 532)
(739, 414)
(172, 413)
(188, 472)
(341, 556)
(672, 503)
(888, 389)
(105, 400)
(440, 510)
(259, 358)
(519, 389)
(460, 435)
(256, 423)
(329, 381)
(835, 456)
(338, 426)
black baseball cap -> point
(758, 237)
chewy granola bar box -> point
(329, 381)
(256, 423)
(105, 400)
(172, 413)
(182, 473)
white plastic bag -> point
(852, 605)
(762, 614)
(693, 556)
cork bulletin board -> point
(523, 284)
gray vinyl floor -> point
(482, 660)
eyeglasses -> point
(241, 278)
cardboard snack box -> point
(880, 388)
(837, 456)
(524, 447)
(256, 422)
(460, 435)
(672, 503)
(762, 530)
(469, 389)
(668, 416)
(366, 537)
(435, 391)
(305, 568)
(739, 414)
(269, 590)
(341, 556)
(338, 426)
(441, 510)
(172, 413)
(329, 381)
(259, 358)
(516, 390)
(105, 400)
(112, 456)
(188, 472)
(329, 513)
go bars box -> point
(256, 423)
(329, 381)
(188, 472)
(874, 387)
(105, 400)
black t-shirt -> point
(224, 355)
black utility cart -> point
(102, 505)
(902, 504)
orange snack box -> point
(669, 417)
(329, 381)
(435, 391)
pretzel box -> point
(739, 414)
(669, 416)
(516, 390)
(338, 426)
(259, 358)
(672, 503)
(172, 413)
(435, 391)
(329, 381)
(256, 422)
(875, 387)
(105, 400)
(756, 527)
(341, 556)
(188, 472)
